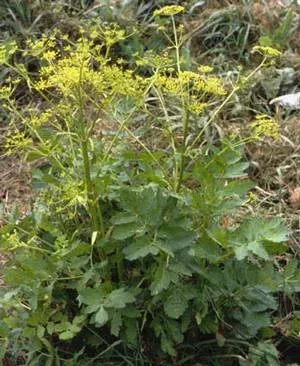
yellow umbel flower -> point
(265, 126)
(252, 197)
(190, 82)
(40, 119)
(11, 241)
(41, 47)
(17, 141)
(7, 50)
(84, 68)
(196, 107)
(211, 85)
(267, 51)
(205, 69)
(113, 34)
(169, 10)
(5, 92)
(49, 55)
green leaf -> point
(68, 334)
(290, 277)
(123, 218)
(255, 236)
(4, 330)
(255, 321)
(207, 250)
(162, 279)
(241, 252)
(273, 230)
(265, 41)
(40, 332)
(175, 305)
(153, 204)
(174, 330)
(131, 333)
(140, 248)
(167, 345)
(236, 170)
(119, 298)
(92, 296)
(219, 236)
(180, 267)
(257, 300)
(237, 187)
(228, 205)
(262, 354)
(149, 204)
(258, 249)
(176, 237)
(116, 323)
(126, 231)
(101, 317)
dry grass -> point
(15, 191)
(276, 169)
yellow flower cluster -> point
(5, 91)
(252, 197)
(112, 34)
(39, 119)
(169, 10)
(7, 50)
(42, 48)
(205, 69)
(265, 126)
(211, 85)
(65, 76)
(77, 70)
(267, 51)
(94, 32)
(192, 87)
(196, 107)
(11, 241)
(72, 195)
(17, 140)
(49, 55)
(188, 82)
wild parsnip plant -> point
(134, 242)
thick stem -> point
(185, 121)
(177, 46)
(183, 148)
(92, 197)
(120, 266)
(94, 207)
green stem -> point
(226, 100)
(120, 265)
(177, 45)
(183, 148)
(92, 197)
(107, 52)
(213, 116)
(185, 120)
